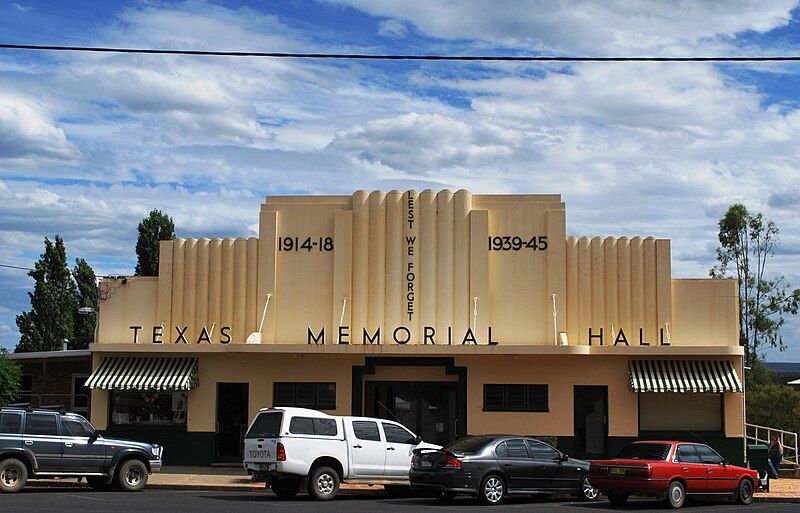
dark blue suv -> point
(45, 444)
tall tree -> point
(10, 379)
(747, 242)
(156, 227)
(53, 302)
(86, 296)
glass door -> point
(591, 422)
(426, 408)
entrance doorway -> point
(426, 408)
(232, 418)
(591, 422)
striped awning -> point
(138, 373)
(714, 376)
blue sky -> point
(90, 143)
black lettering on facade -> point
(158, 331)
(469, 337)
(204, 336)
(621, 338)
(319, 338)
(492, 342)
(224, 332)
(599, 337)
(344, 335)
(374, 339)
(406, 338)
(136, 333)
(181, 334)
(641, 338)
(661, 337)
(427, 334)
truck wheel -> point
(99, 484)
(285, 488)
(492, 490)
(676, 495)
(13, 475)
(132, 476)
(744, 495)
(323, 483)
(618, 499)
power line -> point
(7, 266)
(400, 57)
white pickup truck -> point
(292, 448)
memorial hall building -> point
(453, 313)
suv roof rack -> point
(54, 407)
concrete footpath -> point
(236, 479)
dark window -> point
(321, 396)
(708, 455)
(365, 430)
(542, 451)
(312, 426)
(148, 408)
(643, 451)
(497, 397)
(75, 427)
(514, 449)
(41, 424)
(80, 400)
(469, 444)
(301, 426)
(325, 427)
(687, 454)
(266, 425)
(27, 383)
(9, 422)
(397, 435)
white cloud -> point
(392, 28)
(27, 134)
(22, 8)
(589, 26)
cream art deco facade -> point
(455, 313)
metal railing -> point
(67, 402)
(763, 435)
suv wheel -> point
(323, 483)
(285, 488)
(13, 475)
(492, 490)
(132, 476)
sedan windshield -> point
(469, 444)
(640, 451)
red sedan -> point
(671, 471)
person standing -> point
(775, 453)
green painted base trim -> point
(180, 447)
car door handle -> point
(356, 447)
(67, 444)
(390, 448)
(686, 469)
(28, 442)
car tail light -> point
(280, 451)
(645, 471)
(452, 463)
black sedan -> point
(494, 466)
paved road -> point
(69, 500)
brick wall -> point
(51, 379)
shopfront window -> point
(680, 411)
(150, 408)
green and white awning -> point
(715, 376)
(138, 373)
